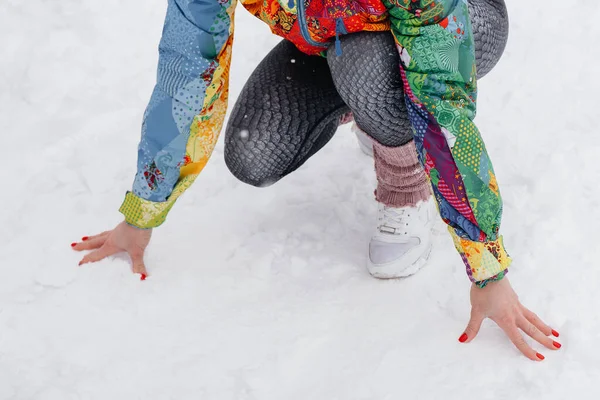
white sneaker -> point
(402, 242)
(364, 141)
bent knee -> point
(250, 175)
(251, 165)
(388, 127)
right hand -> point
(124, 238)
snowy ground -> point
(263, 293)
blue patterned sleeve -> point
(184, 116)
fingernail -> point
(557, 345)
(541, 357)
(554, 333)
(143, 277)
(80, 263)
(73, 244)
(463, 338)
(84, 238)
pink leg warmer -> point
(401, 179)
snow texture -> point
(263, 293)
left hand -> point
(499, 302)
(123, 238)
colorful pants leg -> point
(436, 48)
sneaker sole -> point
(389, 272)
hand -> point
(125, 238)
(499, 302)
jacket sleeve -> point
(185, 114)
(437, 55)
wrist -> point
(137, 227)
(496, 278)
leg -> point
(287, 111)
(367, 77)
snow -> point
(263, 293)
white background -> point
(263, 293)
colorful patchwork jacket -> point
(185, 114)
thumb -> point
(137, 260)
(472, 327)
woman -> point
(405, 69)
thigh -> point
(367, 77)
(287, 111)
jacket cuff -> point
(146, 214)
(142, 213)
(485, 261)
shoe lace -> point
(393, 220)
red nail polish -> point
(143, 277)
(541, 357)
(73, 244)
(463, 338)
(554, 333)
(557, 345)
(83, 239)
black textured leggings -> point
(291, 105)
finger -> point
(137, 260)
(513, 333)
(532, 331)
(90, 244)
(103, 234)
(535, 320)
(100, 254)
(472, 327)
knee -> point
(386, 122)
(244, 170)
(386, 134)
(249, 163)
